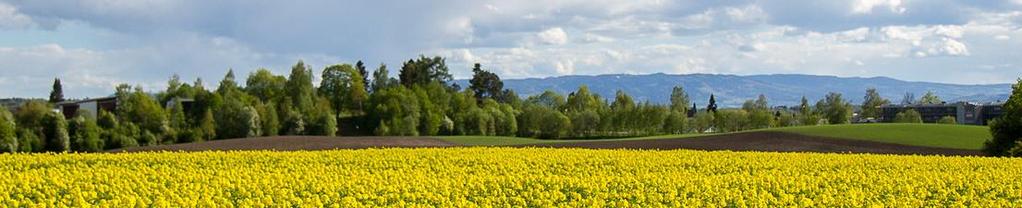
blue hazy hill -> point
(732, 90)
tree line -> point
(422, 101)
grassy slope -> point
(930, 135)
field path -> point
(767, 141)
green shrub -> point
(122, 137)
(148, 138)
(8, 131)
(28, 141)
(236, 120)
(85, 134)
(675, 123)
(554, 125)
(189, 135)
(947, 120)
(55, 133)
(908, 116)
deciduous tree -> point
(1007, 129)
(930, 98)
(8, 131)
(871, 103)
(834, 108)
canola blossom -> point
(478, 176)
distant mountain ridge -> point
(732, 90)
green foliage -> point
(29, 141)
(228, 85)
(322, 121)
(266, 86)
(424, 71)
(485, 84)
(342, 86)
(834, 109)
(622, 112)
(542, 122)
(712, 106)
(1007, 130)
(175, 89)
(85, 134)
(433, 103)
(122, 137)
(675, 123)
(702, 121)
(871, 103)
(679, 99)
(759, 113)
(236, 120)
(294, 122)
(585, 123)
(908, 116)
(31, 114)
(148, 138)
(731, 121)
(54, 133)
(479, 122)
(271, 122)
(381, 78)
(178, 122)
(549, 99)
(57, 94)
(930, 98)
(583, 100)
(141, 109)
(554, 125)
(207, 126)
(948, 120)
(364, 75)
(396, 108)
(1015, 151)
(298, 88)
(785, 119)
(806, 114)
(506, 121)
(8, 131)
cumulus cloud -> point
(554, 36)
(867, 6)
(11, 19)
(146, 41)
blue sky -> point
(93, 45)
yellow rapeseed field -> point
(469, 177)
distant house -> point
(964, 112)
(90, 106)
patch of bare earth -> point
(770, 142)
(294, 143)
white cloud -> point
(554, 36)
(11, 19)
(146, 41)
(947, 47)
(867, 6)
(594, 38)
(565, 67)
